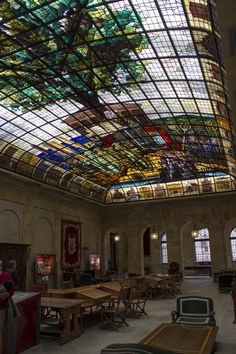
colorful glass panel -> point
(116, 100)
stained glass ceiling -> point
(115, 100)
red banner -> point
(70, 244)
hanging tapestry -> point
(70, 244)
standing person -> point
(6, 313)
(11, 269)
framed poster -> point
(46, 263)
(70, 244)
(94, 262)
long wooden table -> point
(163, 276)
(62, 293)
(151, 278)
(96, 296)
(68, 293)
(111, 287)
(185, 339)
(69, 310)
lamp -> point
(194, 232)
(154, 235)
(116, 237)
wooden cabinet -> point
(19, 253)
(27, 334)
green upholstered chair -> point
(197, 310)
(131, 348)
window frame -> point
(233, 247)
(164, 249)
(201, 241)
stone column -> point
(217, 244)
(155, 256)
(135, 249)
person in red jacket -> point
(7, 289)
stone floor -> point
(94, 338)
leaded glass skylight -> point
(115, 100)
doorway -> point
(112, 261)
(147, 250)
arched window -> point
(202, 246)
(233, 244)
(164, 251)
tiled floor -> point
(94, 338)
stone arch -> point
(10, 226)
(230, 225)
(146, 259)
(154, 260)
(106, 245)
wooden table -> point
(111, 287)
(62, 293)
(68, 293)
(150, 278)
(96, 296)
(69, 310)
(163, 276)
(185, 339)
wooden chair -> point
(132, 282)
(158, 288)
(84, 307)
(137, 301)
(173, 268)
(114, 315)
(178, 278)
(172, 286)
(195, 310)
(67, 284)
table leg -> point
(71, 324)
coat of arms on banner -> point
(70, 244)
